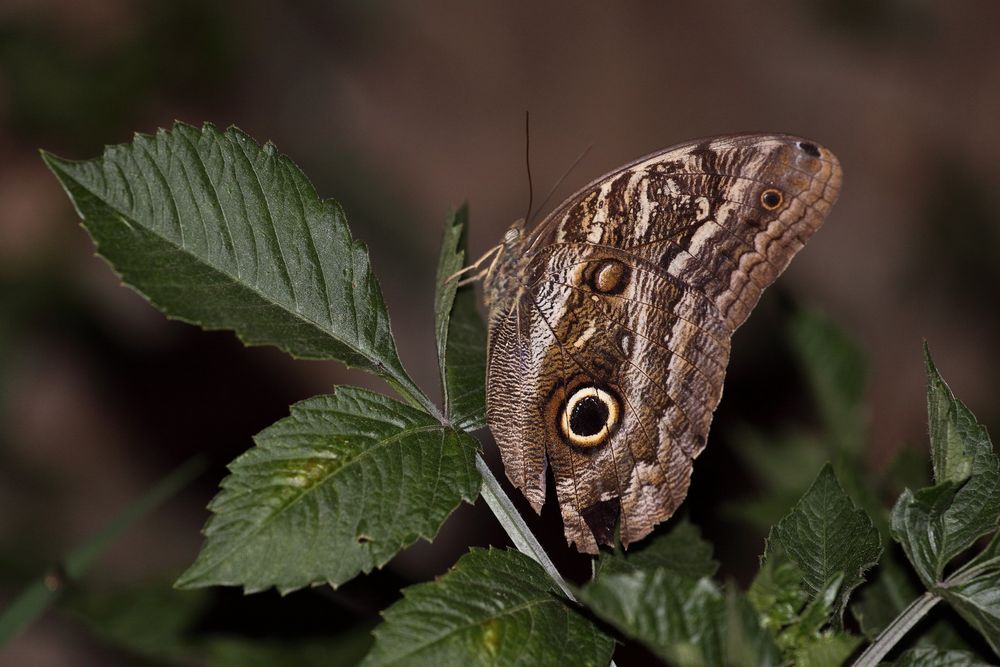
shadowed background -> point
(401, 111)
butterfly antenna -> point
(527, 162)
(576, 162)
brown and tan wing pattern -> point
(610, 323)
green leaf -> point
(918, 525)
(747, 641)
(682, 550)
(336, 488)
(776, 592)
(824, 535)
(678, 618)
(345, 649)
(830, 649)
(36, 598)
(977, 597)
(937, 523)
(492, 608)
(929, 657)
(806, 643)
(784, 464)
(461, 334)
(954, 432)
(148, 620)
(221, 232)
(160, 624)
(836, 370)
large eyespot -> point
(609, 277)
(771, 199)
(589, 416)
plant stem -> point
(514, 525)
(896, 630)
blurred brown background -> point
(402, 110)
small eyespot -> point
(771, 199)
(809, 149)
(610, 277)
(589, 416)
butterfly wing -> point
(610, 323)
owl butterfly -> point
(610, 321)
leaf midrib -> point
(238, 542)
(380, 366)
(472, 624)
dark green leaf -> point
(335, 489)
(830, 649)
(678, 618)
(37, 597)
(918, 525)
(461, 334)
(977, 598)
(682, 551)
(784, 464)
(155, 622)
(929, 657)
(221, 232)
(836, 370)
(824, 535)
(747, 642)
(937, 523)
(807, 644)
(776, 592)
(345, 649)
(954, 432)
(148, 620)
(492, 608)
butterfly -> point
(610, 321)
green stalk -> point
(895, 631)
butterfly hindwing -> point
(610, 323)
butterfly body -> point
(610, 321)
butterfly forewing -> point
(610, 323)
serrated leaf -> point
(806, 643)
(335, 489)
(825, 535)
(818, 611)
(678, 618)
(918, 525)
(977, 598)
(492, 608)
(937, 523)
(682, 550)
(461, 334)
(776, 592)
(221, 232)
(148, 620)
(955, 434)
(784, 464)
(345, 649)
(828, 650)
(152, 621)
(748, 643)
(929, 657)
(836, 371)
